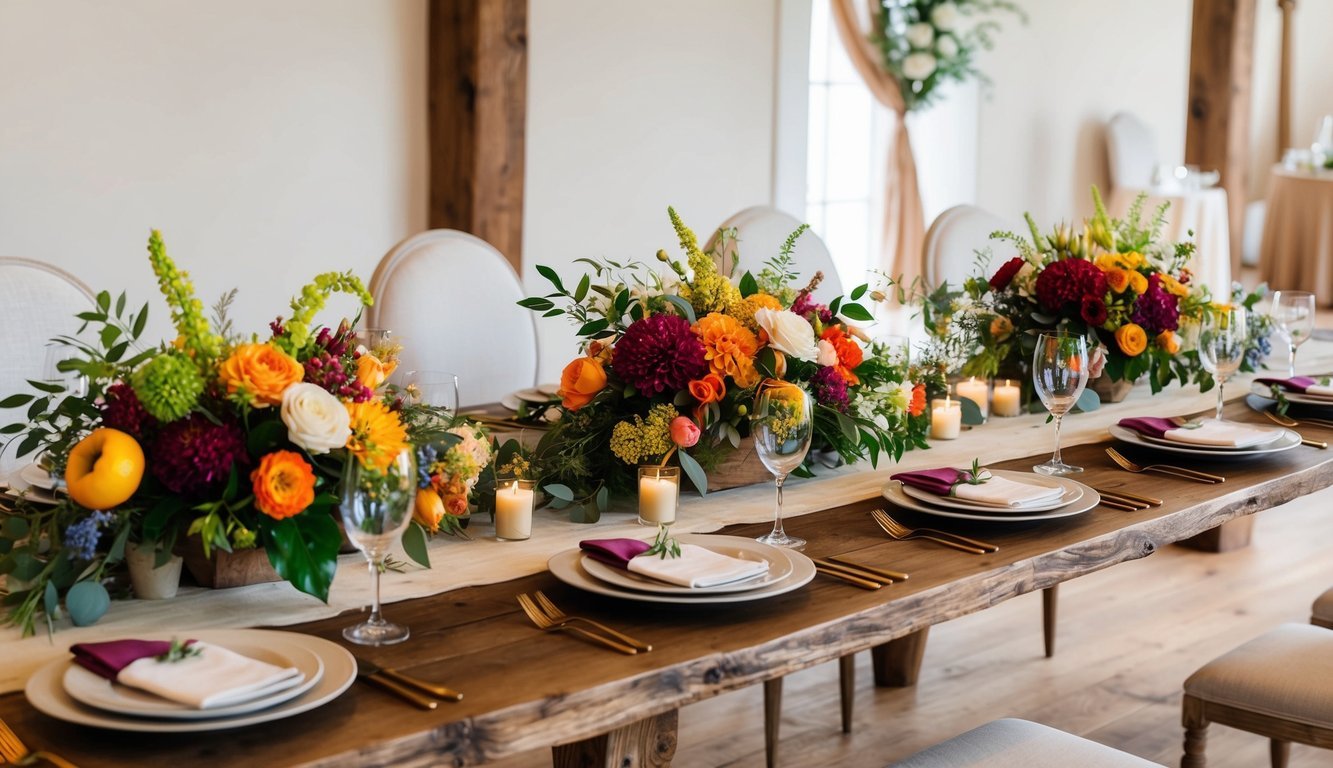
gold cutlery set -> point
(549, 618)
(14, 751)
(1289, 422)
(864, 576)
(1126, 501)
(406, 687)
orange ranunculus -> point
(260, 372)
(378, 435)
(428, 509)
(1132, 339)
(918, 404)
(1137, 282)
(1001, 328)
(849, 353)
(729, 348)
(371, 372)
(580, 382)
(1117, 279)
(1168, 341)
(709, 389)
(456, 504)
(284, 484)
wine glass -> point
(1059, 374)
(376, 506)
(75, 383)
(1293, 314)
(1223, 333)
(434, 388)
(782, 425)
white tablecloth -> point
(1201, 211)
(1297, 248)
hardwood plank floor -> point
(1128, 637)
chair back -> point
(955, 237)
(760, 233)
(449, 297)
(37, 303)
(1131, 150)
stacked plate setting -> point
(787, 571)
(1075, 498)
(1282, 440)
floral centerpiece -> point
(239, 441)
(666, 353)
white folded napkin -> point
(1003, 492)
(697, 567)
(1319, 390)
(1223, 434)
(216, 677)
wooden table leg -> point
(847, 688)
(897, 663)
(772, 719)
(1049, 596)
(1232, 535)
(649, 743)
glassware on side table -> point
(376, 507)
(1059, 375)
(782, 425)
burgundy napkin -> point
(615, 552)
(1151, 426)
(937, 481)
(1294, 384)
(109, 658)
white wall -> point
(1058, 80)
(268, 141)
(633, 106)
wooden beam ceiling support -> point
(1284, 79)
(1217, 130)
(478, 87)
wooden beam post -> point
(1217, 130)
(1284, 79)
(477, 90)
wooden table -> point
(525, 689)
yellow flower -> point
(377, 434)
(1168, 341)
(729, 348)
(1001, 328)
(1132, 339)
(1174, 286)
(260, 373)
(1117, 279)
(1137, 282)
(744, 309)
(371, 372)
(641, 440)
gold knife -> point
(434, 689)
(397, 689)
(847, 577)
(884, 572)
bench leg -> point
(897, 663)
(772, 719)
(649, 743)
(1229, 536)
(1049, 596)
(1279, 752)
(847, 689)
(1196, 733)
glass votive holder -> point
(659, 494)
(946, 419)
(976, 390)
(1007, 397)
(513, 508)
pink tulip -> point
(684, 432)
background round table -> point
(1297, 248)
(1198, 215)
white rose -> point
(315, 419)
(918, 66)
(920, 35)
(947, 46)
(788, 333)
(945, 16)
(828, 354)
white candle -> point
(513, 512)
(977, 391)
(1007, 399)
(657, 500)
(946, 419)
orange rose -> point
(1137, 282)
(1169, 341)
(1132, 339)
(709, 389)
(918, 404)
(260, 373)
(371, 372)
(456, 504)
(580, 382)
(1001, 328)
(1117, 279)
(284, 484)
(849, 353)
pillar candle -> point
(1007, 399)
(513, 511)
(657, 500)
(977, 391)
(946, 419)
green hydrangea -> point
(169, 385)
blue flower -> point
(426, 456)
(81, 538)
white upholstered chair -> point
(955, 237)
(37, 302)
(1131, 150)
(760, 232)
(450, 298)
(1321, 613)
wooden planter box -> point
(227, 569)
(1110, 391)
(741, 467)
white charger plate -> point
(567, 566)
(1277, 434)
(1266, 392)
(46, 692)
(97, 691)
(779, 568)
(893, 492)
(1072, 493)
(1286, 442)
(37, 477)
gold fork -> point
(545, 624)
(1166, 469)
(901, 532)
(1289, 422)
(560, 616)
(14, 751)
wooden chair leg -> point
(772, 719)
(1279, 752)
(1049, 596)
(1196, 733)
(897, 663)
(847, 688)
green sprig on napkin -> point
(180, 650)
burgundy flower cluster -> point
(659, 353)
(1005, 274)
(830, 388)
(1157, 309)
(1063, 284)
(122, 410)
(804, 305)
(195, 454)
(327, 367)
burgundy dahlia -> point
(1156, 310)
(830, 388)
(804, 305)
(659, 353)
(1093, 310)
(1063, 284)
(1005, 274)
(122, 410)
(193, 454)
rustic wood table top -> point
(526, 689)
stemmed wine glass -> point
(1223, 332)
(1059, 373)
(376, 506)
(782, 425)
(1293, 314)
(434, 388)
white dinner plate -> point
(36, 476)
(97, 691)
(893, 491)
(549, 390)
(46, 692)
(567, 566)
(1265, 391)
(1277, 434)
(1072, 493)
(1286, 442)
(779, 568)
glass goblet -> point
(782, 425)
(1059, 375)
(1223, 333)
(376, 506)
(438, 389)
(1293, 316)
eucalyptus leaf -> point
(559, 491)
(694, 471)
(1088, 401)
(971, 413)
(87, 602)
(414, 544)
